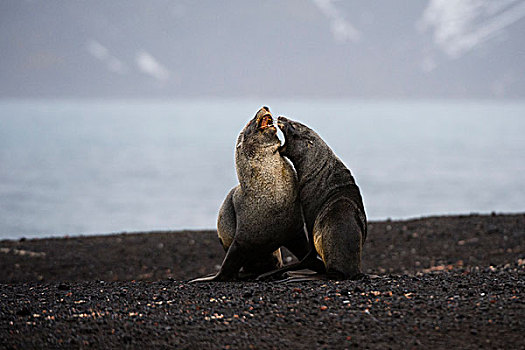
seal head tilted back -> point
(332, 204)
(263, 212)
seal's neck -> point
(258, 168)
(309, 160)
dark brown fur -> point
(332, 205)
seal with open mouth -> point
(332, 205)
(263, 212)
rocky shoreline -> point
(450, 281)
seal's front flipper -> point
(212, 278)
(230, 267)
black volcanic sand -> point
(454, 282)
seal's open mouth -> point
(266, 122)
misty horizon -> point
(295, 49)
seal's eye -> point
(266, 122)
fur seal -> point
(263, 212)
(331, 201)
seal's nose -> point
(263, 112)
(280, 121)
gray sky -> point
(318, 48)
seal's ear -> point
(238, 144)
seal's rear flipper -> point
(304, 276)
(308, 275)
(310, 261)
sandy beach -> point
(450, 281)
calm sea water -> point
(85, 167)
